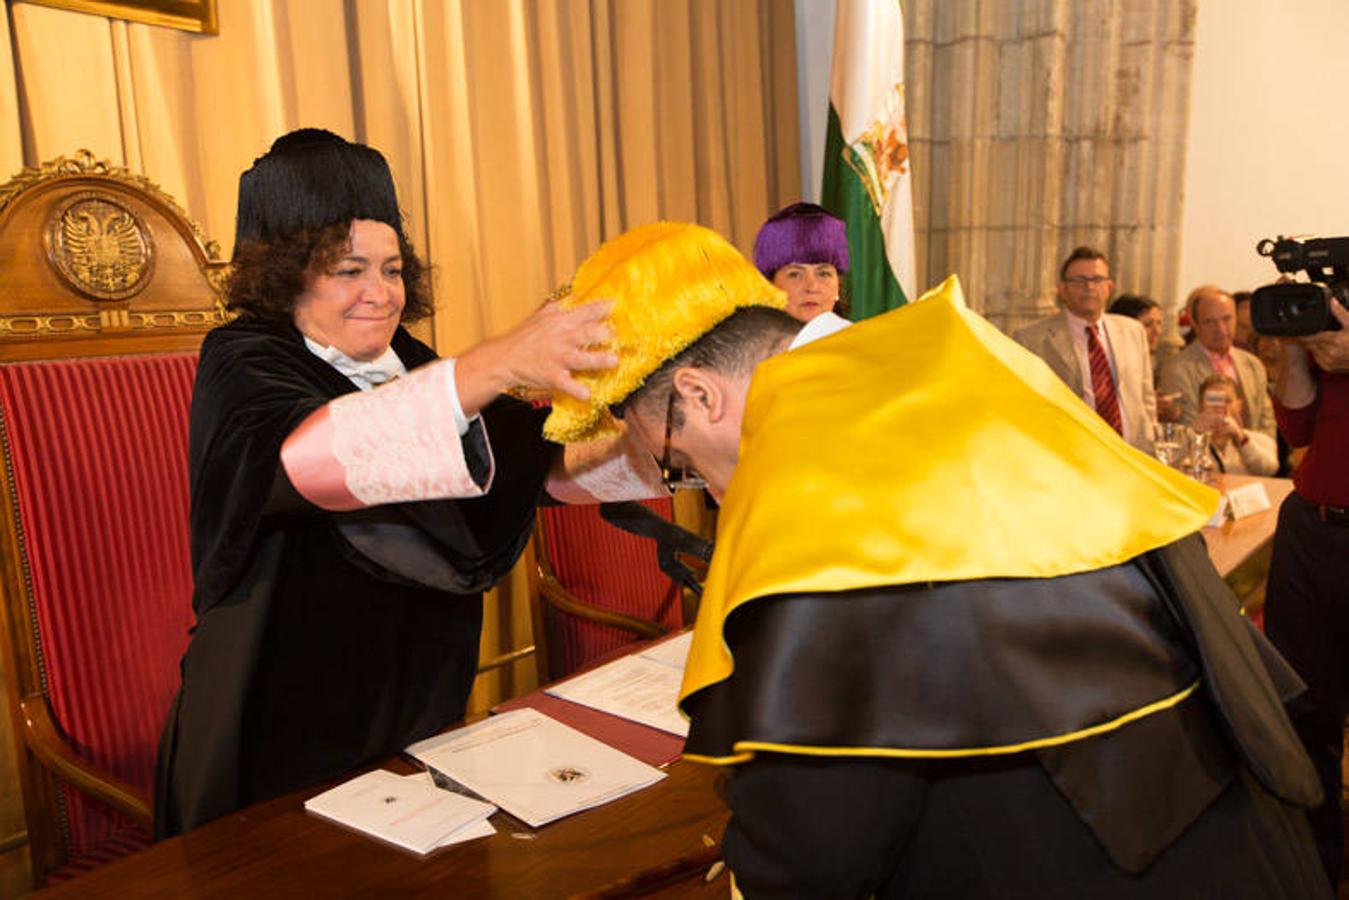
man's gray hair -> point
(734, 346)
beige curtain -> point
(521, 132)
(1039, 125)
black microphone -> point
(634, 518)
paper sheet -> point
(633, 687)
(672, 652)
(470, 832)
(534, 767)
(413, 814)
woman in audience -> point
(1148, 312)
(804, 250)
(1235, 449)
(1270, 351)
(342, 536)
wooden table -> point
(1240, 549)
(277, 849)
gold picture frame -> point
(188, 15)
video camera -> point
(1294, 308)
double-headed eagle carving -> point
(101, 247)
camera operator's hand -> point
(1330, 349)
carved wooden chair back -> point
(107, 291)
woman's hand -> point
(1221, 427)
(541, 352)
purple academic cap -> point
(804, 233)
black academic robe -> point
(1197, 799)
(324, 641)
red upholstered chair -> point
(107, 292)
(598, 588)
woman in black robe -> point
(342, 537)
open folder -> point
(534, 767)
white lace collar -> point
(365, 375)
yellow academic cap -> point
(671, 283)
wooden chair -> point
(107, 291)
(598, 588)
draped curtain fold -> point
(1040, 125)
(521, 132)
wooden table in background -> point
(1241, 549)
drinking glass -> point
(1201, 466)
(1171, 443)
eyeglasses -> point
(674, 478)
(1080, 280)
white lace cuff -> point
(395, 444)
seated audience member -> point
(1184, 327)
(804, 250)
(1148, 312)
(342, 536)
(1102, 357)
(924, 678)
(1244, 336)
(1214, 316)
(1235, 449)
(1269, 350)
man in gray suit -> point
(1103, 357)
(1213, 315)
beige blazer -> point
(1049, 339)
(1185, 371)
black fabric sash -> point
(957, 666)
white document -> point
(632, 687)
(411, 813)
(1219, 517)
(1247, 500)
(481, 828)
(534, 767)
(672, 652)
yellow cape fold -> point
(924, 445)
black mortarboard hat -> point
(312, 178)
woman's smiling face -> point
(357, 303)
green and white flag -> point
(866, 157)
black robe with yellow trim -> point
(324, 641)
(953, 680)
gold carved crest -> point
(99, 246)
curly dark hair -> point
(267, 275)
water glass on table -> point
(1171, 444)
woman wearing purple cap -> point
(804, 250)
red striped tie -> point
(1102, 383)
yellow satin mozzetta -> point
(924, 446)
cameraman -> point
(1307, 606)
